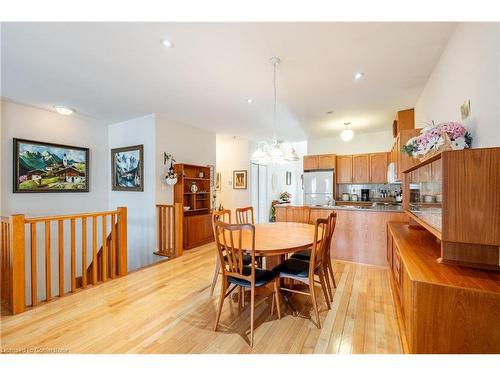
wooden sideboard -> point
(441, 308)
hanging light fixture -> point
(273, 153)
(347, 134)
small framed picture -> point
(217, 182)
(288, 177)
(240, 179)
(127, 168)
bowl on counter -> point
(354, 197)
(429, 198)
(186, 208)
(345, 197)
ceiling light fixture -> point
(63, 110)
(167, 43)
(273, 153)
(359, 75)
(249, 101)
(347, 134)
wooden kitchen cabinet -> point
(319, 162)
(378, 167)
(404, 120)
(344, 169)
(326, 161)
(310, 162)
(361, 168)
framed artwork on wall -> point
(288, 178)
(127, 168)
(240, 179)
(218, 181)
(41, 167)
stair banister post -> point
(178, 228)
(122, 241)
(17, 256)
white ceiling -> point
(118, 71)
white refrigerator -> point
(319, 188)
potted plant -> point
(285, 197)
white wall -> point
(361, 143)
(186, 143)
(469, 68)
(140, 205)
(158, 134)
(21, 121)
(232, 154)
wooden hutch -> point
(445, 264)
(197, 228)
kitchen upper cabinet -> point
(310, 162)
(344, 169)
(361, 168)
(378, 167)
(326, 161)
(317, 162)
(404, 120)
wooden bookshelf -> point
(197, 220)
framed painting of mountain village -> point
(41, 167)
(127, 168)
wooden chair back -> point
(228, 238)
(220, 215)
(321, 232)
(332, 220)
(244, 215)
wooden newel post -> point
(17, 256)
(178, 228)
(122, 241)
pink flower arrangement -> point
(432, 137)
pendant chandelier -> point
(273, 153)
(346, 134)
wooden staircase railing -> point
(5, 265)
(111, 266)
(169, 229)
(13, 249)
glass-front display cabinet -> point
(455, 195)
(425, 193)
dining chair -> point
(225, 216)
(304, 271)
(327, 261)
(229, 239)
(244, 215)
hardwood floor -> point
(166, 309)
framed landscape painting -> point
(41, 167)
(127, 168)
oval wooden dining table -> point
(275, 239)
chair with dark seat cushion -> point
(327, 263)
(304, 271)
(302, 255)
(262, 277)
(225, 216)
(228, 238)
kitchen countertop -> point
(377, 208)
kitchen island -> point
(360, 232)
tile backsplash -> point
(375, 189)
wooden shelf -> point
(424, 162)
(196, 178)
(202, 193)
(423, 223)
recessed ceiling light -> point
(63, 110)
(359, 75)
(167, 43)
(249, 101)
